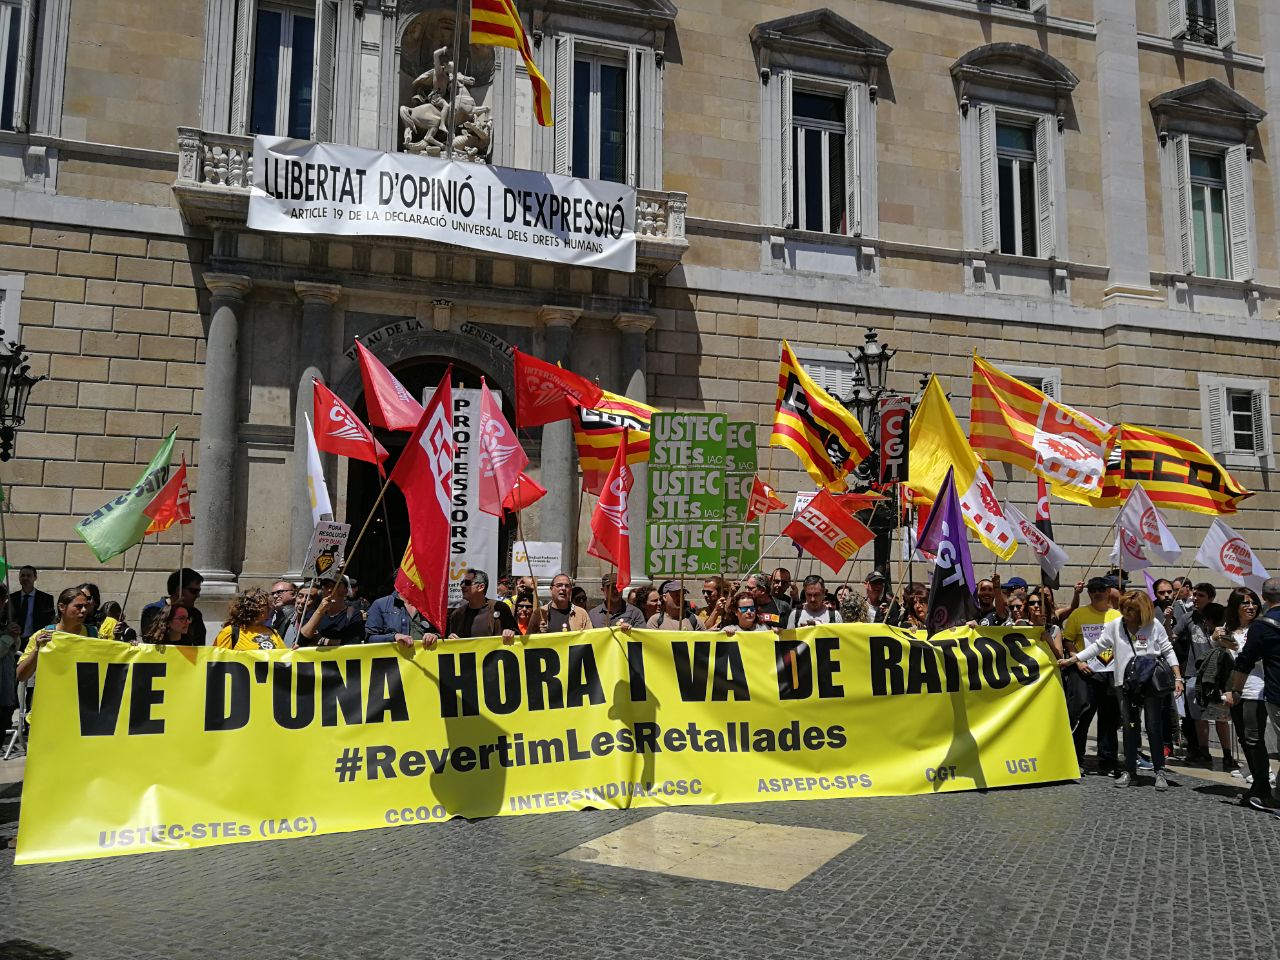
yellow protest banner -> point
(140, 749)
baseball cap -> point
(1014, 582)
(875, 576)
(1097, 583)
(671, 586)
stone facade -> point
(151, 304)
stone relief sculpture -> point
(427, 115)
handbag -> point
(1146, 672)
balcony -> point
(215, 171)
(1202, 29)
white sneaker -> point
(1238, 773)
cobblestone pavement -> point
(1069, 871)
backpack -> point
(1213, 676)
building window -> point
(283, 62)
(1214, 209)
(1209, 216)
(600, 111)
(817, 141)
(16, 38)
(1048, 380)
(1016, 4)
(832, 370)
(1016, 159)
(1236, 415)
(1211, 22)
(1016, 182)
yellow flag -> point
(937, 444)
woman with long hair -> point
(742, 609)
(169, 626)
(73, 606)
(1039, 611)
(650, 602)
(1137, 633)
(915, 609)
(246, 625)
(1244, 607)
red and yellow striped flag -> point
(496, 23)
(815, 426)
(598, 430)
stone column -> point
(315, 348)
(559, 460)
(216, 515)
(633, 355)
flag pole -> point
(346, 561)
(137, 561)
(4, 539)
(527, 559)
(1105, 537)
(457, 69)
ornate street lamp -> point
(871, 371)
(15, 390)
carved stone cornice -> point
(309, 292)
(228, 286)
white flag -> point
(321, 508)
(1051, 556)
(1142, 520)
(1225, 551)
(1127, 554)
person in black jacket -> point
(477, 615)
(1261, 645)
(29, 609)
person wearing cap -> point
(614, 611)
(1088, 683)
(335, 621)
(1014, 587)
(560, 614)
(673, 615)
(477, 615)
(876, 589)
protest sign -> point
(686, 494)
(739, 539)
(327, 549)
(473, 534)
(536, 558)
(139, 749)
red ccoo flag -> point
(525, 493)
(762, 500)
(828, 531)
(611, 521)
(172, 504)
(424, 473)
(339, 430)
(502, 459)
(391, 406)
(546, 393)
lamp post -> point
(15, 390)
(872, 360)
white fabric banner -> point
(1052, 558)
(326, 188)
(321, 507)
(1139, 518)
(1226, 551)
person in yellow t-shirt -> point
(246, 627)
(74, 604)
(1089, 689)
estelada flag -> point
(526, 492)
(172, 504)
(339, 430)
(815, 426)
(937, 445)
(1175, 472)
(497, 23)
(390, 405)
(424, 474)
(828, 531)
(597, 431)
(1013, 422)
(502, 459)
(762, 500)
(611, 520)
(546, 393)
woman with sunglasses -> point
(1038, 611)
(743, 608)
(524, 612)
(1243, 607)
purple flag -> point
(951, 601)
(1151, 584)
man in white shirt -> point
(813, 609)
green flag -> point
(117, 525)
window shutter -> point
(1176, 17)
(1239, 235)
(989, 240)
(852, 161)
(562, 106)
(242, 72)
(1225, 11)
(634, 133)
(1182, 182)
(1045, 226)
(1262, 441)
(1038, 6)
(1215, 407)
(1051, 386)
(788, 154)
(322, 75)
(25, 68)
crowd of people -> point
(1173, 658)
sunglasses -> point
(1033, 603)
(1247, 603)
(524, 606)
(465, 583)
(276, 593)
(708, 593)
(746, 609)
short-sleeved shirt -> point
(248, 638)
(1083, 627)
(603, 617)
(662, 621)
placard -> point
(686, 494)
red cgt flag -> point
(502, 459)
(763, 500)
(172, 504)
(424, 474)
(828, 531)
(391, 406)
(526, 493)
(611, 521)
(546, 393)
(339, 430)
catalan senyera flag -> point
(598, 430)
(1013, 422)
(1175, 472)
(938, 444)
(497, 24)
(815, 426)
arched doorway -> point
(374, 565)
